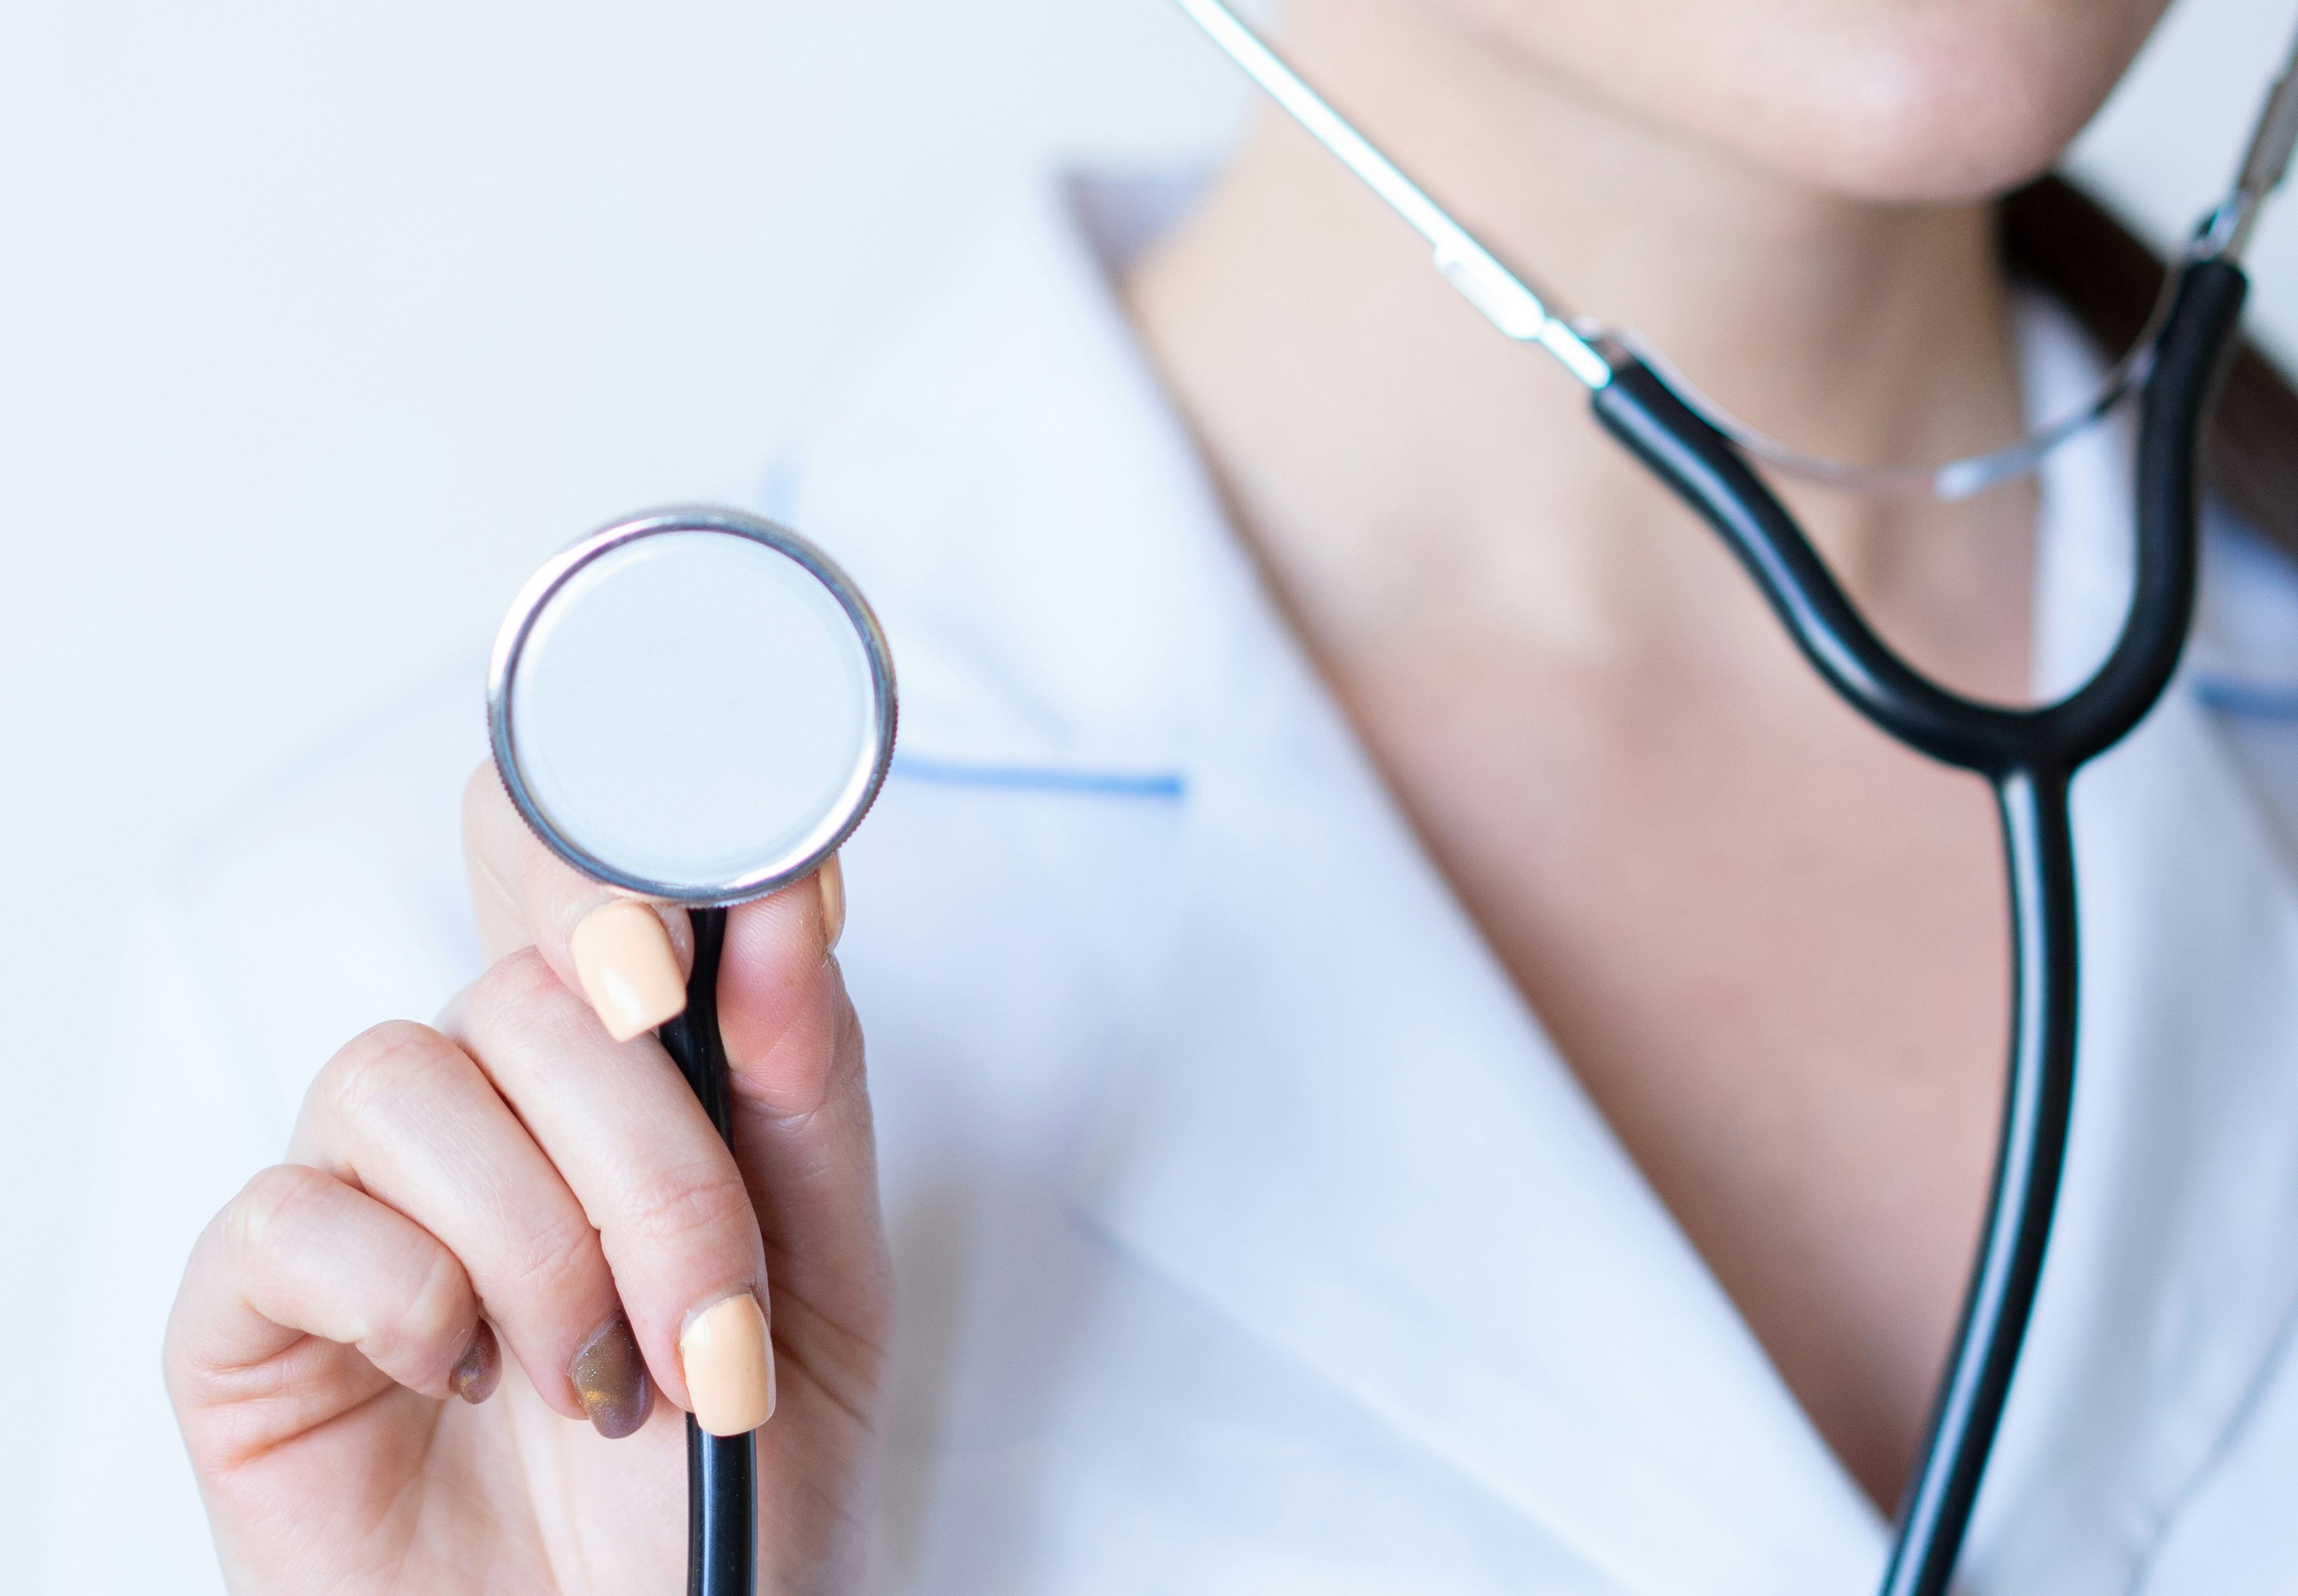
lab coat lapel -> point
(2173, 1267)
(1354, 1139)
(2174, 1263)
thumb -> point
(782, 1001)
(802, 1129)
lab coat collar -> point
(1350, 1136)
(2173, 1270)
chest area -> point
(1773, 948)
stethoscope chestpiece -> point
(695, 705)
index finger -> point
(627, 956)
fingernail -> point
(610, 1380)
(623, 957)
(833, 877)
(480, 1367)
(729, 1367)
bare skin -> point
(1771, 943)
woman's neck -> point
(1397, 464)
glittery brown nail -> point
(610, 1380)
(481, 1366)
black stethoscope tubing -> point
(721, 1471)
(2031, 756)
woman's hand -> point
(518, 1198)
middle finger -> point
(649, 1168)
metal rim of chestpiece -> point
(546, 583)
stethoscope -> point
(2029, 756)
(780, 715)
(698, 706)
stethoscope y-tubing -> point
(721, 1471)
(2031, 756)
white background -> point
(319, 326)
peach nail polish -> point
(611, 1381)
(832, 878)
(729, 1367)
(624, 958)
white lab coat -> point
(1252, 1236)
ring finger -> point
(406, 1115)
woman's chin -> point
(1897, 101)
(1971, 117)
